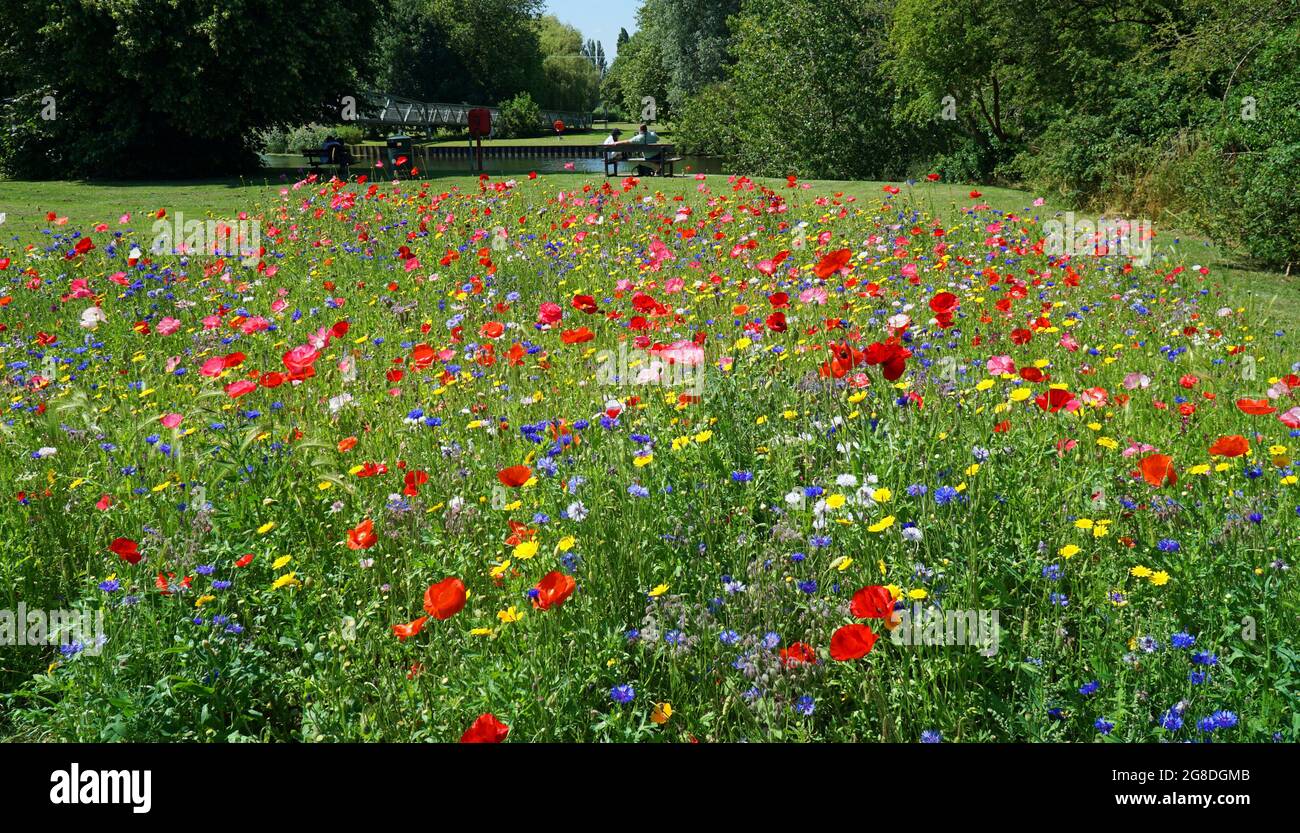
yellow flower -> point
(882, 495)
(281, 561)
(835, 501)
(1160, 579)
(643, 461)
(1020, 394)
(509, 615)
(882, 524)
(286, 580)
(1108, 442)
(658, 591)
(1083, 523)
(500, 570)
(984, 384)
(1068, 551)
(1140, 572)
(703, 436)
(481, 632)
(917, 594)
(202, 600)
(266, 527)
(525, 550)
(566, 543)
(661, 713)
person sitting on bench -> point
(644, 136)
(335, 153)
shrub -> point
(517, 118)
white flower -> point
(577, 511)
(46, 451)
(847, 481)
(912, 533)
(92, 317)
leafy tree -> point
(164, 89)
(569, 80)
(808, 90)
(460, 51)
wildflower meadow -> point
(563, 458)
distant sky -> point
(599, 19)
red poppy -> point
(1255, 407)
(514, 476)
(874, 602)
(125, 549)
(410, 629)
(584, 303)
(486, 729)
(1056, 400)
(237, 389)
(553, 590)
(798, 653)
(422, 356)
(890, 355)
(852, 642)
(578, 336)
(1233, 445)
(832, 263)
(1158, 470)
(445, 599)
(414, 480)
(943, 305)
(244, 560)
(362, 536)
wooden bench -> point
(662, 156)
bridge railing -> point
(399, 111)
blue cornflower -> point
(1103, 725)
(931, 736)
(1168, 545)
(622, 693)
(729, 637)
(945, 495)
(1089, 687)
(805, 705)
(1182, 639)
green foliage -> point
(808, 93)
(168, 89)
(459, 51)
(569, 79)
(518, 118)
